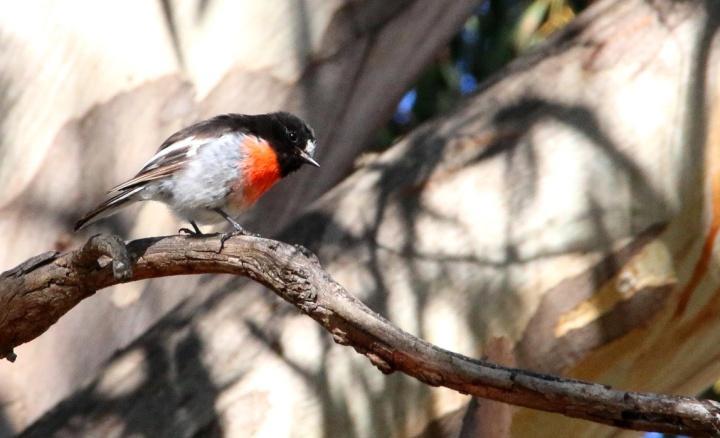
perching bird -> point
(217, 168)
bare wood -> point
(51, 288)
(88, 97)
(587, 247)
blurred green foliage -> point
(497, 32)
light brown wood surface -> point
(42, 289)
(90, 89)
(564, 220)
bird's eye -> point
(292, 135)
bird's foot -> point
(189, 232)
(225, 236)
(195, 232)
(239, 231)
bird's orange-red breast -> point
(260, 169)
(220, 165)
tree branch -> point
(36, 293)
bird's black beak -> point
(307, 158)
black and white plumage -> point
(217, 168)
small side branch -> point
(36, 293)
(105, 245)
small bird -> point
(216, 169)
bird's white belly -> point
(204, 184)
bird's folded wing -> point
(165, 163)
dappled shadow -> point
(695, 123)
(163, 390)
(384, 238)
(170, 22)
(6, 429)
(399, 183)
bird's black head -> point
(292, 139)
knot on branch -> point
(57, 282)
(106, 245)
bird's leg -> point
(197, 231)
(238, 229)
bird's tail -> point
(109, 207)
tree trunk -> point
(564, 220)
(89, 91)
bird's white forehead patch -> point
(310, 148)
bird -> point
(216, 169)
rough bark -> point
(45, 287)
(567, 213)
(89, 90)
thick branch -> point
(35, 294)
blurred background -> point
(402, 95)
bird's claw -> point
(225, 236)
(236, 232)
(188, 231)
